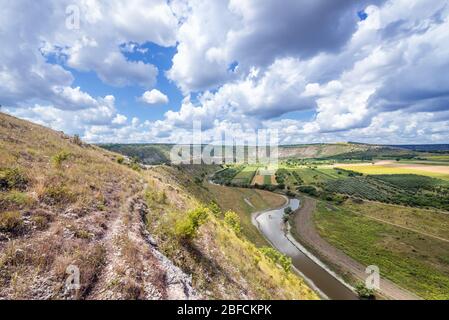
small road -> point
(308, 234)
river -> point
(271, 225)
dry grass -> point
(54, 208)
(218, 272)
(73, 202)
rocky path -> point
(135, 268)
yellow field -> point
(441, 172)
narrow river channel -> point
(271, 225)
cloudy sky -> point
(144, 70)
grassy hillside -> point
(211, 256)
(244, 202)
(60, 200)
(133, 234)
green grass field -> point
(246, 175)
(426, 221)
(267, 180)
(318, 175)
(438, 158)
(414, 261)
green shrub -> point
(198, 180)
(153, 197)
(232, 219)
(290, 194)
(77, 140)
(59, 158)
(311, 190)
(135, 167)
(12, 179)
(187, 227)
(364, 292)
(120, 160)
(215, 209)
(278, 258)
(83, 234)
(11, 221)
(41, 222)
(15, 198)
(57, 194)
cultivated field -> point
(245, 176)
(390, 167)
(265, 176)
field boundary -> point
(399, 226)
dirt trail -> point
(135, 269)
(307, 232)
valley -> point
(129, 227)
(133, 232)
(384, 212)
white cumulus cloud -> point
(154, 97)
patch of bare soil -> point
(259, 180)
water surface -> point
(271, 225)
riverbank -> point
(305, 232)
(271, 225)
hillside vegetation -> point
(210, 253)
(132, 233)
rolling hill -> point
(153, 154)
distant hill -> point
(444, 148)
(152, 154)
(321, 150)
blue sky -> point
(324, 71)
(127, 97)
